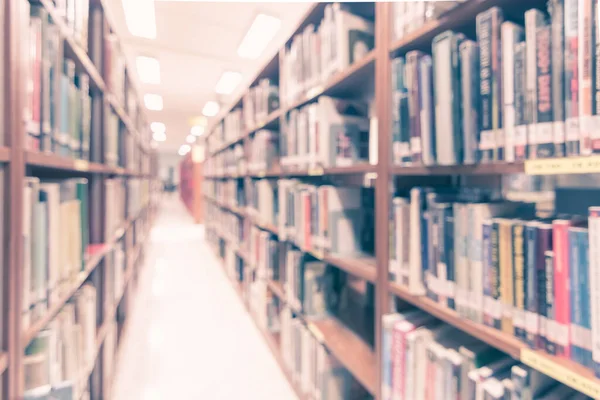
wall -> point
(166, 160)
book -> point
(544, 126)
(492, 139)
(534, 20)
(469, 77)
(511, 35)
(586, 53)
(572, 109)
(521, 114)
(594, 274)
(556, 8)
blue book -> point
(449, 252)
(486, 253)
(578, 336)
(531, 282)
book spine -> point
(557, 12)
(426, 113)
(584, 273)
(571, 77)
(586, 67)
(594, 278)
(531, 298)
(544, 244)
(449, 251)
(486, 23)
(441, 255)
(520, 102)
(561, 286)
(432, 278)
(575, 298)
(534, 19)
(550, 309)
(595, 133)
(518, 245)
(414, 101)
(486, 253)
(511, 35)
(496, 305)
(469, 66)
(507, 288)
(397, 92)
(544, 133)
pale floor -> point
(189, 336)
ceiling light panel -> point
(140, 18)
(190, 139)
(211, 108)
(158, 127)
(228, 82)
(153, 102)
(184, 149)
(159, 136)
(148, 69)
(258, 37)
(197, 130)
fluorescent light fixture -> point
(153, 102)
(190, 139)
(228, 82)
(159, 136)
(211, 108)
(148, 69)
(140, 18)
(261, 32)
(197, 130)
(184, 149)
(158, 127)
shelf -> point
(96, 254)
(277, 289)
(476, 169)
(344, 83)
(349, 349)
(361, 267)
(56, 162)
(277, 172)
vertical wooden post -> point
(382, 185)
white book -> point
(511, 34)
(416, 285)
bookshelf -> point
(75, 148)
(237, 186)
(190, 185)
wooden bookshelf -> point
(372, 74)
(134, 162)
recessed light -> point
(159, 136)
(190, 139)
(158, 127)
(184, 149)
(140, 18)
(256, 40)
(228, 82)
(211, 108)
(148, 69)
(153, 102)
(197, 130)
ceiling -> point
(195, 43)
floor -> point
(190, 337)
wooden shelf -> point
(96, 254)
(476, 169)
(361, 267)
(277, 289)
(277, 172)
(56, 162)
(349, 349)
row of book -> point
(58, 360)
(314, 370)
(263, 151)
(426, 359)
(55, 240)
(330, 132)
(496, 263)
(230, 161)
(262, 200)
(231, 227)
(328, 218)
(408, 17)
(115, 264)
(513, 94)
(314, 55)
(260, 101)
(58, 112)
(138, 196)
(114, 212)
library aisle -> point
(190, 336)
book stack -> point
(114, 217)
(58, 112)
(55, 238)
(327, 218)
(327, 133)
(57, 360)
(496, 263)
(424, 358)
(308, 283)
(408, 17)
(115, 264)
(536, 101)
(260, 101)
(263, 152)
(262, 201)
(317, 373)
(314, 55)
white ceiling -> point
(195, 43)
